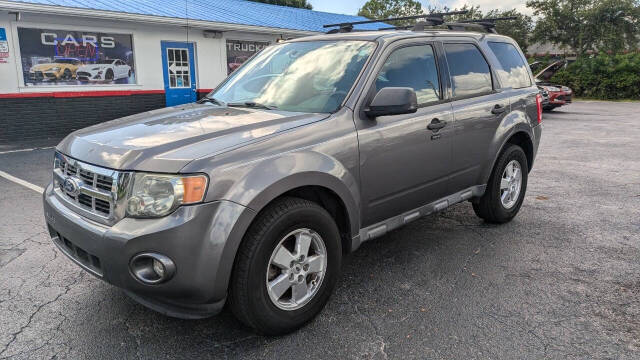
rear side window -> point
(470, 74)
(514, 72)
(414, 67)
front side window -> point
(309, 76)
(414, 67)
(514, 71)
(469, 71)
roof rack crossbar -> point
(488, 24)
(429, 18)
(489, 20)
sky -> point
(351, 6)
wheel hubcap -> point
(510, 184)
(296, 269)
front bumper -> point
(195, 237)
(557, 98)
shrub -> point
(606, 77)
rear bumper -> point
(195, 238)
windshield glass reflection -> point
(312, 76)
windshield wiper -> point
(252, 104)
(211, 100)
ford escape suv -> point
(253, 195)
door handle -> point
(436, 124)
(498, 109)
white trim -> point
(14, 179)
(149, 19)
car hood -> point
(90, 67)
(166, 140)
(45, 67)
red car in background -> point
(553, 95)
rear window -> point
(514, 72)
(470, 74)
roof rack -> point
(488, 24)
(429, 20)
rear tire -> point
(253, 298)
(505, 192)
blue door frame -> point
(178, 69)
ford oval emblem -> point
(71, 186)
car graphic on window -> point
(104, 70)
(59, 69)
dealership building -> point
(65, 65)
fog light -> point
(158, 268)
(152, 268)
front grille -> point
(81, 256)
(89, 179)
(90, 190)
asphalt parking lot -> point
(560, 281)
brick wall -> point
(52, 117)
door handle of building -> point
(498, 109)
(436, 124)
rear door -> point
(478, 110)
(516, 80)
(403, 164)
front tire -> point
(506, 187)
(286, 267)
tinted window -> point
(414, 67)
(470, 74)
(514, 70)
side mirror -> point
(393, 101)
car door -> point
(403, 164)
(478, 110)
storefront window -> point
(70, 57)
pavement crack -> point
(15, 335)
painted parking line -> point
(23, 150)
(14, 179)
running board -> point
(381, 228)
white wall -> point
(211, 66)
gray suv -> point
(253, 195)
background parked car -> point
(59, 69)
(554, 95)
(109, 69)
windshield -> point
(313, 76)
(108, 61)
(65, 61)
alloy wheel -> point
(510, 184)
(296, 269)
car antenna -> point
(429, 20)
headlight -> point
(551, 88)
(156, 195)
(96, 68)
(56, 69)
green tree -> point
(291, 3)
(518, 29)
(584, 25)
(618, 26)
(383, 9)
